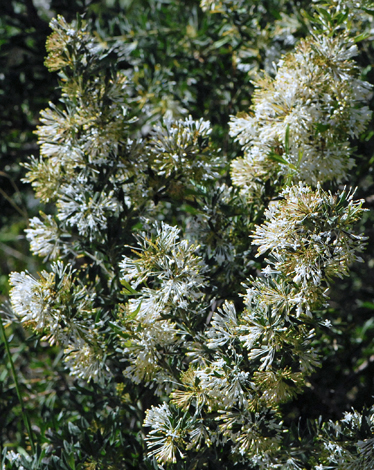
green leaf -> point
(276, 14)
(74, 430)
(118, 330)
(132, 315)
(325, 14)
(277, 158)
(309, 17)
(221, 42)
(342, 201)
(361, 37)
(340, 18)
(128, 290)
(287, 139)
(368, 11)
(369, 305)
(71, 461)
(187, 208)
(321, 128)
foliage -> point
(184, 346)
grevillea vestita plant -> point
(199, 301)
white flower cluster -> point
(262, 334)
(166, 435)
(300, 121)
(174, 271)
(87, 155)
(182, 147)
(256, 437)
(225, 374)
(81, 206)
(87, 131)
(44, 236)
(308, 235)
(173, 263)
(61, 309)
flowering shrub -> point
(157, 289)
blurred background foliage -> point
(184, 60)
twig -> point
(18, 390)
(23, 210)
(12, 252)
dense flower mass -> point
(61, 309)
(182, 147)
(300, 122)
(308, 233)
(170, 271)
(165, 435)
(243, 368)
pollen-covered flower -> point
(171, 272)
(57, 137)
(31, 299)
(86, 361)
(309, 234)
(223, 327)
(167, 435)
(227, 385)
(254, 435)
(64, 37)
(183, 147)
(53, 304)
(190, 391)
(79, 205)
(44, 236)
(149, 342)
(171, 264)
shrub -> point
(187, 348)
